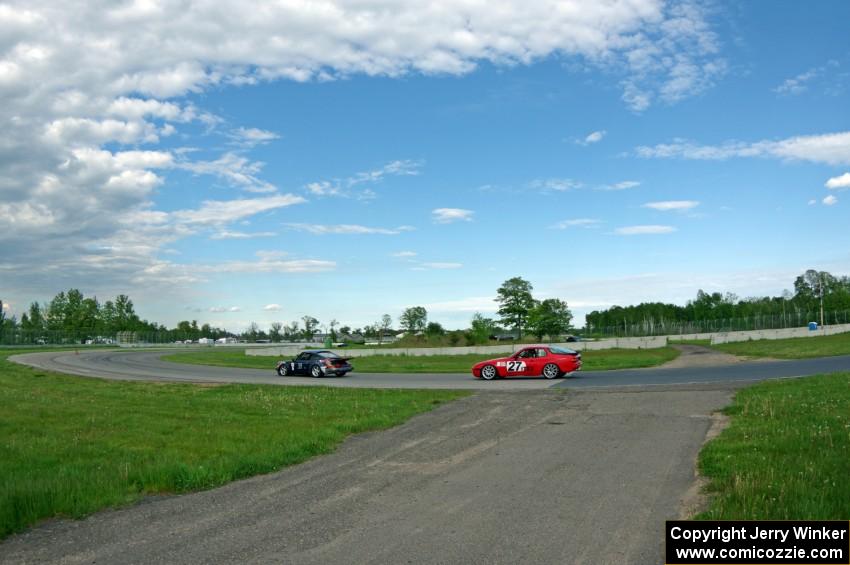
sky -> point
(349, 159)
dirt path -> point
(699, 356)
(507, 477)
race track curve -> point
(147, 365)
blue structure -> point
(813, 326)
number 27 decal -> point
(516, 366)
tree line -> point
(812, 290)
(78, 318)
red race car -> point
(548, 361)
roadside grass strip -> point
(792, 348)
(70, 446)
(593, 360)
(786, 453)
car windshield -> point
(562, 351)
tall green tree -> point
(550, 317)
(515, 303)
(481, 328)
(414, 319)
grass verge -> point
(786, 453)
(70, 446)
(792, 348)
(593, 360)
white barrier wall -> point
(731, 337)
(623, 343)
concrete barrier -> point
(495, 350)
(732, 337)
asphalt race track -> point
(148, 365)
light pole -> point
(821, 299)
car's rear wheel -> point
(316, 371)
(488, 372)
(551, 371)
(283, 370)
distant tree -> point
(275, 333)
(515, 303)
(481, 328)
(414, 319)
(386, 324)
(252, 333)
(550, 317)
(290, 331)
(434, 329)
(310, 324)
(345, 330)
(206, 330)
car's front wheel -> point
(488, 372)
(316, 371)
(283, 370)
(551, 371)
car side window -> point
(541, 353)
(303, 357)
(528, 353)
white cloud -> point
(812, 202)
(554, 184)
(449, 215)
(672, 205)
(237, 170)
(404, 254)
(623, 185)
(593, 137)
(644, 230)
(349, 187)
(347, 229)
(800, 83)
(829, 148)
(250, 137)
(577, 223)
(272, 308)
(830, 200)
(226, 211)
(225, 234)
(841, 181)
(219, 309)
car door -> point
(518, 365)
(535, 363)
(302, 363)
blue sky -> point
(610, 156)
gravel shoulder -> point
(500, 477)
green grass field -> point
(70, 446)
(794, 348)
(593, 360)
(786, 453)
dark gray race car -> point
(315, 362)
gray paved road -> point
(147, 365)
(511, 477)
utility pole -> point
(821, 299)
